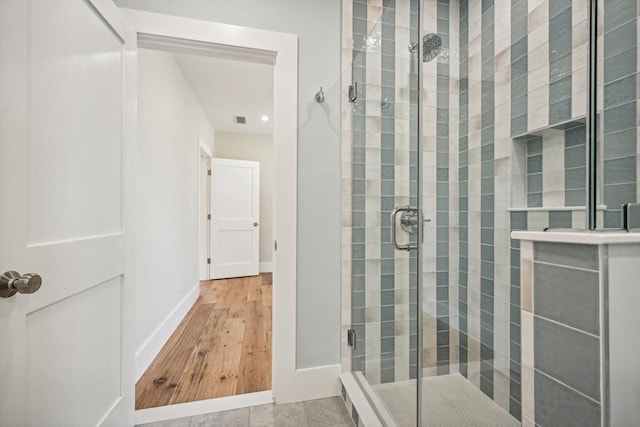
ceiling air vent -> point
(241, 120)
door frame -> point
(206, 154)
(289, 384)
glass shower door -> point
(384, 205)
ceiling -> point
(228, 88)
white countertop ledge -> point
(579, 236)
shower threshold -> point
(447, 401)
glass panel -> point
(383, 174)
(504, 149)
(618, 109)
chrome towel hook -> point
(320, 96)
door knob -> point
(11, 282)
(255, 224)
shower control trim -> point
(408, 212)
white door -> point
(67, 125)
(235, 215)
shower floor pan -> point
(447, 401)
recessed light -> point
(265, 118)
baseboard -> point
(152, 346)
(189, 409)
(308, 384)
(266, 267)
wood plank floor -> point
(221, 348)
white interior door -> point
(235, 215)
(67, 125)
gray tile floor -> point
(329, 412)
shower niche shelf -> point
(549, 168)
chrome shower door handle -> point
(394, 223)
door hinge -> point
(209, 216)
(275, 245)
(351, 338)
(353, 92)
(208, 260)
(209, 172)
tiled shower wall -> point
(503, 150)
(380, 172)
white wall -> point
(317, 24)
(170, 123)
(259, 148)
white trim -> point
(189, 409)
(586, 237)
(204, 269)
(204, 148)
(289, 383)
(310, 383)
(366, 414)
(152, 346)
(266, 267)
(553, 208)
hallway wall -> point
(317, 25)
(170, 123)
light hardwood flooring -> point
(221, 348)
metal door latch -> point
(351, 338)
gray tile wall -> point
(463, 177)
(566, 334)
(544, 86)
(534, 171)
(442, 194)
(487, 218)
(358, 186)
(519, 66)
(575, 159)
(572, 188)
(518, 221)
(387, 199)
(383, 175)
(560, 64)
(620, 146)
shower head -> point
(431, 44)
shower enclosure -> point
(464, 120)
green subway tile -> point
(575, 178)
(575, 157)
(617, 194)
(619, 144)
(534, 183)
(560, 90)
(621, 65)
(560, 219)
(534, 164)
(575, 197)
(620, 171)
(575, 136)
(518, 125)
(560, 68)
(620, 91)
(534, 145)
(534, 200)
(560, 111)
(620, 39)
(560, 23)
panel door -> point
(67, 124)
(235, 215)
